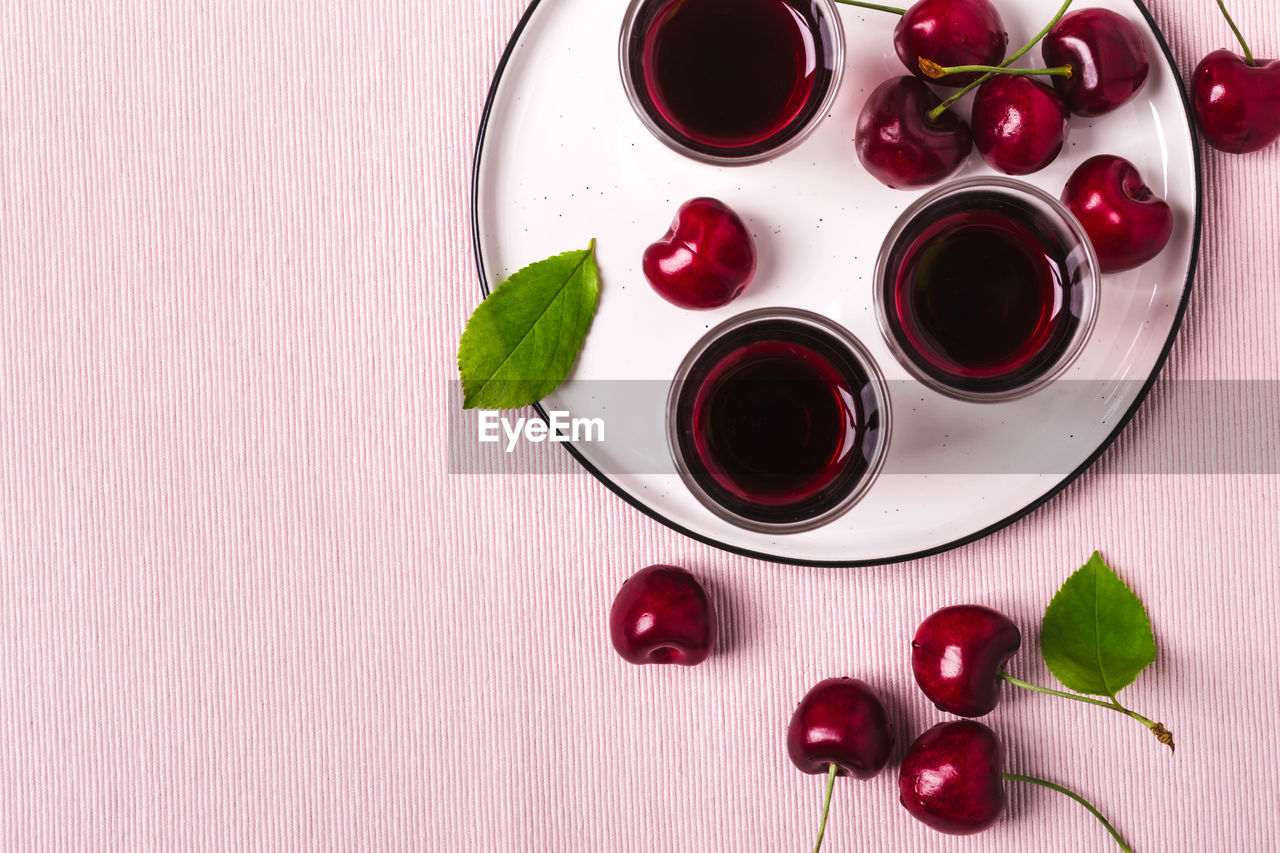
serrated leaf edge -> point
(469, 396)
(1097, 644)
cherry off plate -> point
(562, 159)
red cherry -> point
(1019, 125)
(957, 655)
(842, 722)
(1237, 105)
(900, 145)
(1107, 57)
(1127, 224)
(705, 259)
(662, 615)
(951, 778)
(950, 32)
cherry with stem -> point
(952, 780)
(1236, 99)
(959, 655)
(1161, 733)
(945, 105)
(839, 727)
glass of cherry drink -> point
(986, 289)
(778, 420)
(731, 82)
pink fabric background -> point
(243, 605)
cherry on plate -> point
(1019, 124)
(705, 259)
(900, 145)
(1107, 56)
(951, 32)
(1127, 223)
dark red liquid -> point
(731, 77)
(980, 294)
(773, 424)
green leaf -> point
(521, 342)
(1096, 636)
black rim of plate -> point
(914, 555)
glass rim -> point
(629, 85)
(1089, 293)
(841, 336)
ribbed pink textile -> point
(244, 607)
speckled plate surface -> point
(562, 159)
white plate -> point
(562, 158)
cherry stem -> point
(1014, 777)
(937, 111)
(1161, 733)
(826, 807)
(861, 5)
(934, 70)
(1248, 54)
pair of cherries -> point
(907, 137)
(951, 778)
